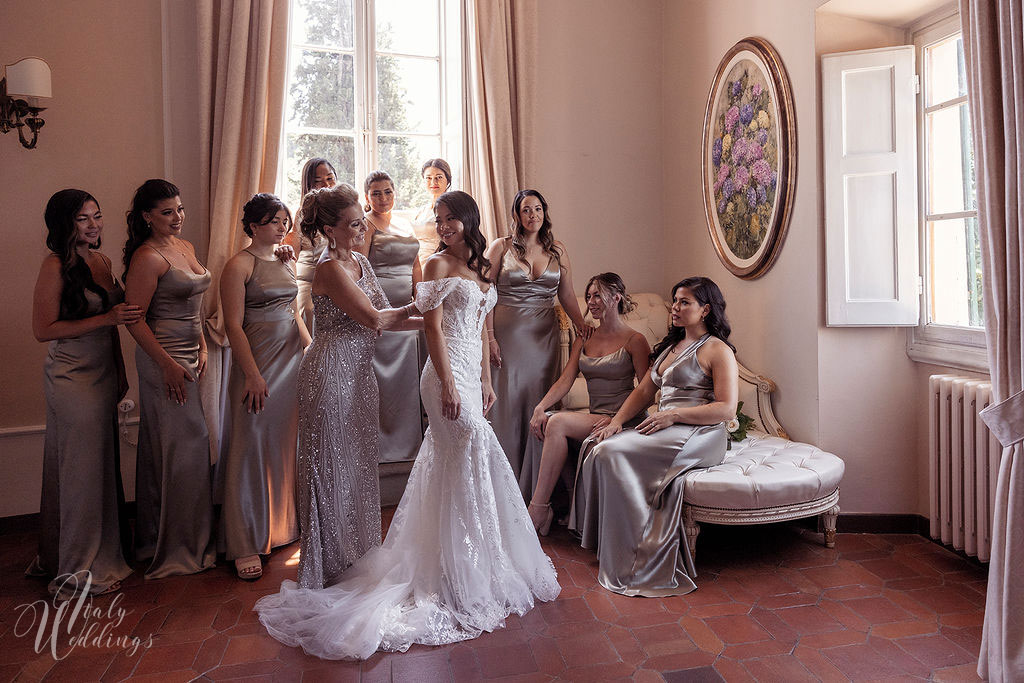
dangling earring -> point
(331, 243)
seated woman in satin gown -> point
(460, 554)
(338, 488)
(317, 173)
(399, 356)
(614, 355)
(77, 307)
(628, 499)
(173, 482)
(437, 179)
(256, 470)
(531, 269)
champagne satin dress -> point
(305, 264)
(80, 506)
(399, 355)
(257, 464)
(173, 487)
(609, 383)
(629, 489)
(526, 327)
(425, 230)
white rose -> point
(732, 425)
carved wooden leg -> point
(828, 520)
(692, 529)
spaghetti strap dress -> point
(627, 504)
(173, 480)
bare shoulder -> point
(637, 343)
(241, 263)
(186, 245)
(51, 264)
(148, 259)
(439, 266)
(716, 350)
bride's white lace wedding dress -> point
(461, 553)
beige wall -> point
(597, 129)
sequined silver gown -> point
(338, 489)
(461, 553)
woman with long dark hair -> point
(173, 487)
(629, 495)
(317, 173)
(437, 179)
(400, 354)
(531, 271)
(77, 306)
(267, 335)
(460, 554)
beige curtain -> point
(994, 45)
(500, 40)
(242, 70)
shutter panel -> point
(869, 133)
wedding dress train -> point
(461, 553)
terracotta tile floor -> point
(773, 605)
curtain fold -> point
(993, 33)
(243, 47)
(498, 74)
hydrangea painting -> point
(749, 155)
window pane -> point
(407, 26)
(950, 161)
(954, 273)
(338, 149)
(323, 22)
(402, 157)
(408, 94)
(321, 91)
(945, 71)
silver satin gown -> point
(526, 327)
(305, 264)
(400, 354)
(425, 230)
(338, 488)
(629, 490)
(173, 482)
(79, 510)
(609, 382)
(257, 464)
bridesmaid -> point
(172, 483)
(437, 176)
(338, 489)
(400, 354)
(77, 307)
(316, 173)
(267, 336)
(531, 268)
(610, 360)
(629, 493)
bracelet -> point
(410, 309)
(204, 353)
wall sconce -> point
(21, 86)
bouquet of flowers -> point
(738, 426)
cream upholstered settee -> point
(765, 478)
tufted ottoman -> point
(764, 479)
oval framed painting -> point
(749, 157)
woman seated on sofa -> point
(610, 359)
(628, 499)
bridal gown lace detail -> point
(461, 553)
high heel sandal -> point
(545, 526)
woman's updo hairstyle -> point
(375, 177)
(145, 199)
(323, 207)
(612, 284)
(707, 293)
(439, 164)
(260, 210)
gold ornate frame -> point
(762, 53)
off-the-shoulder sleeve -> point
(430, 293)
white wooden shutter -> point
(869, 128)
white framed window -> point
(951, 329)
(372, 84)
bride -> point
(461, 553)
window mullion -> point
(364, 100)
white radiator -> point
(963, 464)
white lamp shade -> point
(28, 77)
